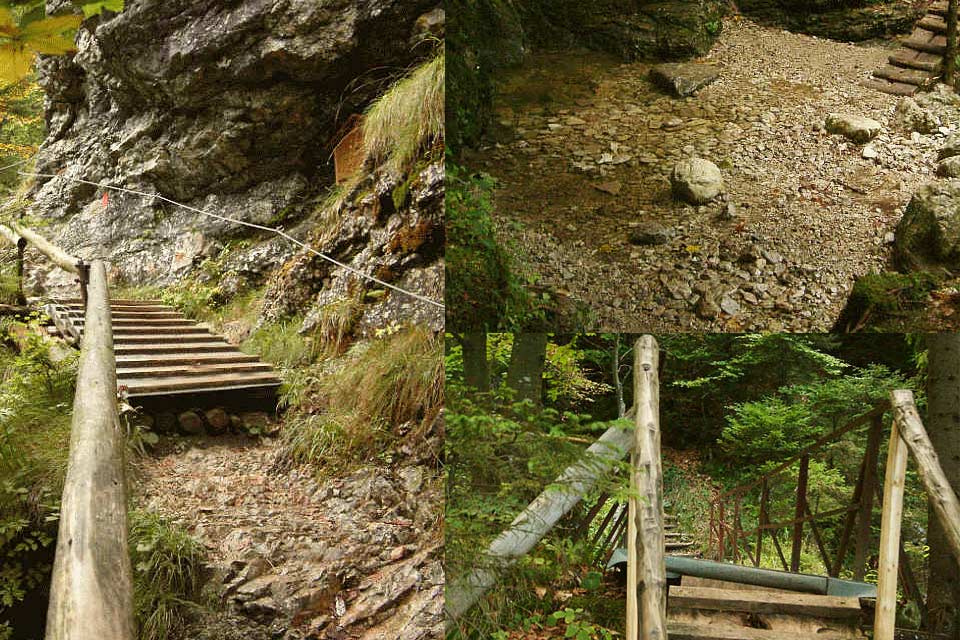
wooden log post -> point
(884, 624)
(799, 513)
(761, 520)
(537, 519)
(91, 592)
(648, 472)
(865, 513)
(942, 497)
(950, 55)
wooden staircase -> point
(918, 64)
(710, 613)
(678, 543)
(161, 353)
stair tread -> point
(199, 383)
(893, 88)
(906, 76)
(687, 631)
(939, 8)
(756, 601)
(933, 22)
(916, 60)
(201, 368)
(164, 338)
(128, 359)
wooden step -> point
(136, 322)
(938, 8)
(138, 315)
(200, 383)
(893, 88)
(116, 301)
(129, 361)
(923, 40)
(184, 370)
(779, 602)
(119, 331)
(917, 60)
(673, 546)
(933, 22)
(685, 631)
(164, 338)
(179, 347)
(906, 76)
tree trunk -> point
(476, 370)
(525, 375)
(950, 56)
(617, 381)
(943, 427)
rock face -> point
(928, 235)
(843, 20)
(229, 107)
(855, 128)
(683, 79)
(696, 180)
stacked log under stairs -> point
(711, 613)
(918, 63)
(162, 356)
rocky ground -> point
(293, 557)
(584, 147)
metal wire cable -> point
(252, 225)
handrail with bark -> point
(91, 592)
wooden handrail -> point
(879, 409)
(646, 564)
(91, 594)
(57, 255)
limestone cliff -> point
(233, 107)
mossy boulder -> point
(928, 235)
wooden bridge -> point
(721, 599)
(140, 350)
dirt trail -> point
(585, 147)
(352, 557)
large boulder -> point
(856, 128)
(912, 117)
(696, 181)
(928, 236)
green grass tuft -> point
(168, 574)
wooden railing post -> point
(91, 589)
(21, 249)
(950, 55)
(761, 520)
(942, 497)
(650, 562)
(865, 513)
(83, 279)
(886, 612)
(799, 513)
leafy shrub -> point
(281, 343)
(167, 574)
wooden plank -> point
(893, 88)
(941, 495)
(865, 512)
(905, 76)
(799, 513)
(884, 625)
(923, 40)
(933, 22)
(681, 631)
(917, 60)
(757, 601)
(939, 8)
(145, 360)
(9, 234)
(91, 592)
(191, 383)
(191, 370)
(651, 564)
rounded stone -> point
(696, 181)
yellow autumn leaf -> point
(7, 26)
(693, 248)
(53, 45)
(54, 25)
(15, 62)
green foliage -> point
(35, 397)
(483, 290)
(281, 343)
(167, 574)
(345, 411)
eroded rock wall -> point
(230, 106)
